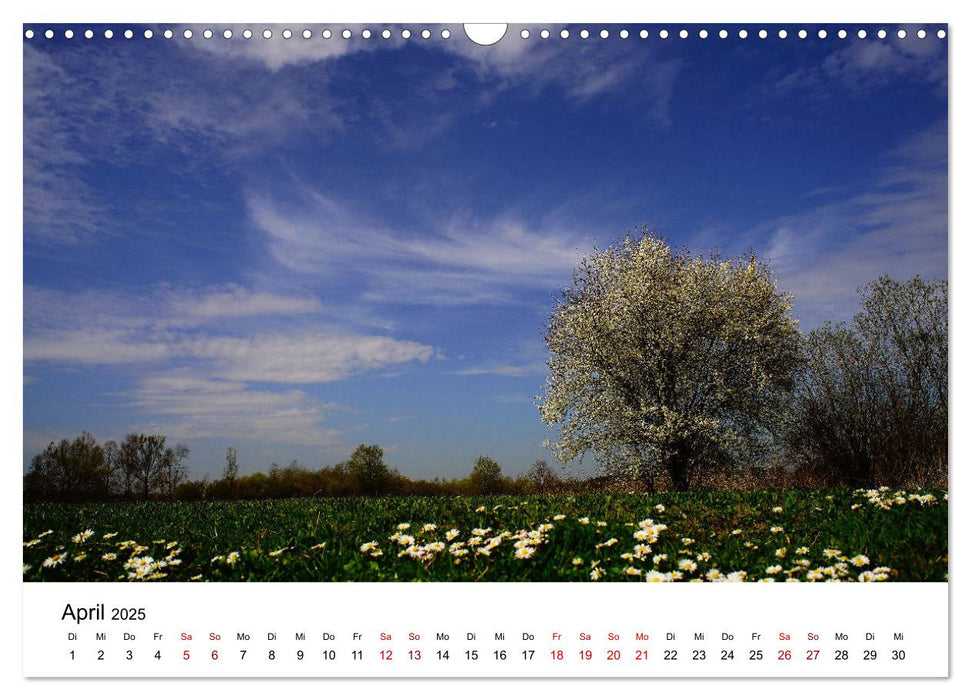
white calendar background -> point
(486, 630)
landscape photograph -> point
(594, 303)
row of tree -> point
(143, 468)
(669, 366)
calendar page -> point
(554, 350)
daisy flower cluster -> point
(886, 499)
(135, 563)
(837, 567)
(481, 542)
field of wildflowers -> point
(795, 535)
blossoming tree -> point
(661, 362)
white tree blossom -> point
(661, 362)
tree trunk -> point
(678, 470)
(646, 476)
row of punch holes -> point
(446, 33)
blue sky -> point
(296, 246)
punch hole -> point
(446, 33)
(88, 34)
(584, 34)
(882, 33)
(366, 34)
(624, 33)
(941, 34)
(524, 34)
(643, 34)
(49, 33)
(168, 34)
(68, 33)
(326, 34)
(545, 34)
(110, 34)
(29, 34)
(207, 34)
(227, 34)
(405, 33)
(723, 34)
(743, 34)
(683, 34)
(307, 33)
(703, 34)
(425, 34)
(663, 34)
(149, 34)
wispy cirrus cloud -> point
(457, 260)
(278, 52)
(502, 370)
(864, 65)
(583, 71)
(57, 205)
(895, 226)
(400, 419)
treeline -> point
(142, 466)
(83, 470)
(367, 474)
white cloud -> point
(93, 347)
(106, 328)
(502, 370)
(236, 302)
(304, 359)
(277, 52)
(861, 66)
(582, 71)
(58, 206)
(896, 227)
(400, 419)
(189, 406)
(201, 380)
(457, 260)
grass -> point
(695, 535)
